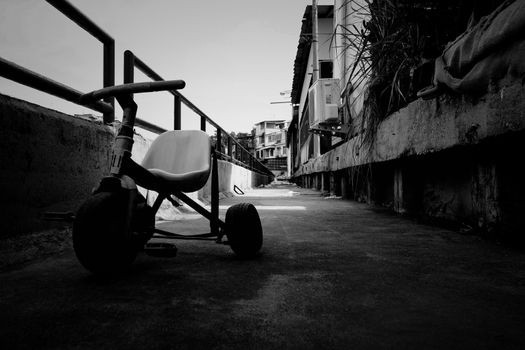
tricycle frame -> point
(122, 164)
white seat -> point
(182, 158)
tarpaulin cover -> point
(492, 49)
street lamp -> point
(283, 93)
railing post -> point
(109, 77)
(177, 113)
(232, 148)
(129, 67)
(218, 146)
(89, 26)
(214, 225)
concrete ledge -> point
(430, 126)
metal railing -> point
(232, 151)
(29, 78)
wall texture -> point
(450, 158)
(431, 126)
(50, 161)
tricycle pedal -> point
(161, 250)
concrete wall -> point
(449, 159)
(50, 161)
(231, 175)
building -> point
(305, 145)
(270, 145)
(427, 121)
(246, 140)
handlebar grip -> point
(131, 88)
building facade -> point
(270, 146)
(303, 143)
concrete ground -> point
(332, 274)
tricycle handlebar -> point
(131, 88)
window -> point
(326, 69)
(276, 137)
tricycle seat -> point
(181, 158)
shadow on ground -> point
(332, 274)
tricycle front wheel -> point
(102, 239)
(244, 230)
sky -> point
(236, 56)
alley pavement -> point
(332, 274)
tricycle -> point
(116, 222)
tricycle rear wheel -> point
(244, 230)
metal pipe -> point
(163, 235)
(177, 235)
(218, 144)
(89, 26)
(345, 21)
(143, 67)
(214, 225)
(149, 126)
(315, 43)
(109, 77)
(80, 19)
(129, 67)
(29, 78)
(176, 113)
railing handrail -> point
(92, 28)
(37, 81)
(32, 79)
(131, 61)
(81, 19)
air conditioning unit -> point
(323, 102)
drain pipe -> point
(315, 43)
(345, 13)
